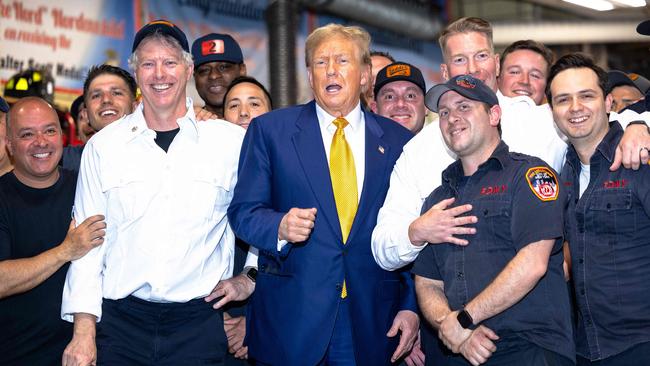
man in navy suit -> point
(312, 179)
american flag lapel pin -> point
(381, 149)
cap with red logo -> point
(216, 47)
(465, 85)
(161, 26)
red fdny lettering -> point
(615, 183)
(493, 190)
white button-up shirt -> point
(355, 136)
(168, 237)
(526, 127)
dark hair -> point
(98, 70)
(383, 54)
(575, 61)
(248, 79)
(529, 45)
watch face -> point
(252, 274)
(464, 319)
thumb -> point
(73, 224)
(392, 332)
(618, 158)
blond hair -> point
(356, 34)
(466, 25)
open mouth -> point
(578, 120)
(454, 132)
(42, 155)
(333, 88)
(108, 113)
(160, 87)
(522, 92)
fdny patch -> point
(543, 182)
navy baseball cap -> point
(618, 78)
(399, 71)
(164, 27)
(4, 107)
(644, 28)
(465, 85)
(216, 47)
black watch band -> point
(465, 320)
(251, 273)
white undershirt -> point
(584, 177)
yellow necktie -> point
(344, 182)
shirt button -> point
(581, 261)
(609, 206)
(485, 212)
(582, 292)
(338, 287)
(460, 275)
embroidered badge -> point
(398, 70)
(543, 182)
(212, 47)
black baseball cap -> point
(216, 47)
(164, 27)
(644, 28)
(399, 71)
(465, 85)
(618, 78)
(75, 107)
(4, 107)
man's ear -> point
(242, 69)
(608, 103)
(495, 115)
(373, 106)
(444, 71)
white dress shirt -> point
(355, 135)
(526, 128)
(168, 237)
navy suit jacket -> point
(291, 314)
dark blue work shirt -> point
(608, 230)
(517, 201)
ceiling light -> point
(630, 3)
(599, 5)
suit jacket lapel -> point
(377, 152)
(308, 143)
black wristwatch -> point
(465, 320)
(251, 273)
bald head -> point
(34, 142)
(29, 105)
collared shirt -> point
(355, 135)
(167, 237)
(608, 230)
(527, 128)
(513, 211)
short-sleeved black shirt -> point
(31, 222)
(518, 201)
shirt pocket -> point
(210, 193)
(493, 227)
(612, 212)
(128, 195)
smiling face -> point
(337, 75)
(403, 102)
(108, 99)
(471, 54)
(35, 143)
(524, 73)
(579, 107)
(467, 126)
(212, 80)
(244, 102)
(162, 76)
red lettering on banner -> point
(28, 15)
(5, 10)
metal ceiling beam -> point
(403, 17)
